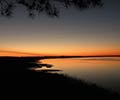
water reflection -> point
(103, 71)
(43, 67)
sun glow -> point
(59, 53)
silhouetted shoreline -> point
(14, 75)
(51, 57)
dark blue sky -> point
(92, 31)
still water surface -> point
(103, 71)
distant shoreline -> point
(54, 57)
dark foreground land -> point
(17, 81)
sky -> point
(94, 31)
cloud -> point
(17, 53)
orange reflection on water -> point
(88, 68)
(87, 63)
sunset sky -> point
(89, 32)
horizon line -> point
(67, 56)
(7, 53)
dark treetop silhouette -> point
(50, 7)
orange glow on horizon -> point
(69, 53)
(17, 53)
(94, 53)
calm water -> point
(103, 71)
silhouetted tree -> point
(50, 7)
